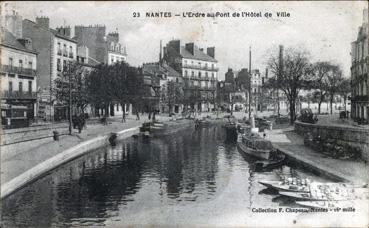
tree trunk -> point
(319, 105)
(331, 102)
(292, 111)
(344, 100)
(124, 112)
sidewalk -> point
(292, 145)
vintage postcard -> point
(184, 114)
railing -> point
(18, 95)
(18, 70)
(71, 55)
(65, 53)
(200, 67)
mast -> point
(250, 96)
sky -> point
(324, 28)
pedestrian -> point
(137, 116)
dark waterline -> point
(190, 177)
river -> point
(190, 178)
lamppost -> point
(70, 100)
(250, 96)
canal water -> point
(191, 178)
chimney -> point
(211, 52)
(43, 22)
(65, 31)
(190, 48)
(26, 42)
(176, 45)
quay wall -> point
(62, 158)
(354, 136)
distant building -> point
(102, 48)
(199, 72)
(164, 73)
(116, 51)
(56, 49)
(18, 80)
(359, 72)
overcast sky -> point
(325, 29)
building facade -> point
(199, 72)
(18, 80)
(116, 51)
(359, 72)
(55, 50)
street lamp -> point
(70, 100)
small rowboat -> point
(324, 192)
(287, 186)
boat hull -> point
(263, 154)
(283, 187)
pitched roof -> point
(199, 55)
(9, 40)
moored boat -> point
(276, 159)
(319, 192)
(252, 144)
(289, 185)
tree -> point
(78, 86)
(99, 91)
(119, 77)
(344, 89)
(334, 80)
(172, 94)
(291, 76)
(321, 70)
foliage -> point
(76, 74)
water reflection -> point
(192, 173)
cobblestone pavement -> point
(292, 144)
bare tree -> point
(334, 80)
(321, 70)
(344, 89)
(291, 76)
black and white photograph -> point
(184, 114)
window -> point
(206, 74)
(58, 65)
(212, 75)
(70, 52)
(199, 64)
(29, 86)
(177, 80)
(30, 64)
(199, 74)
(21, 63)
(11, 62)
(192, 63)
(65, 65)
(65, 50)
(59, 49)
(10, 86)
(192, 73)
(185, 73)
(206, 65)
(212, 66)
(185, 62)
(20, 89)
